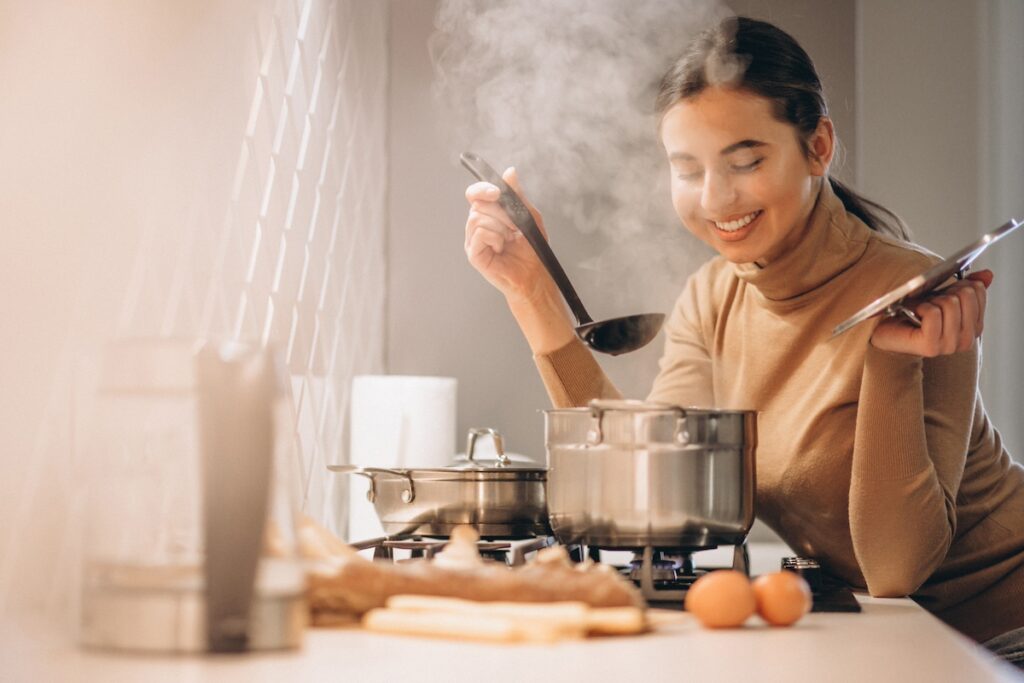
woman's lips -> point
(738, 234)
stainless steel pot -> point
(505, 499)
(628, 474)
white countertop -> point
(891, 640)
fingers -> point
(951, 320)
(483, 200)
(482, 192)
(481, 241)
(949, 336)
(488, 217)
(984, 276)
(967, 302)
(973, 298)
(485, 212)
(931, 328)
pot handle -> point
(599, 406)
(499, 444)
(408, 495)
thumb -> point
(511, 176)
(983, 276)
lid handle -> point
(499, 444)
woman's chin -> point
(737, 253)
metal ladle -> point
(615, 336)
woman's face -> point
(740, 181)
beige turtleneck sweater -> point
(883, 466)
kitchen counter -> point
(891, 640)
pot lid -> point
(891, 304)
(515, 461)
(495, 461)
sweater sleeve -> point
(913, 428)
(572, 376)
(685, 376)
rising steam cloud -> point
(564, 90)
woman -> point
(875, 454)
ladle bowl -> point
(614, 336)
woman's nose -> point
(717, 195)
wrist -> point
(544, 319)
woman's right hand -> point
(498, 250)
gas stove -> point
(513, 552)
(663, 575)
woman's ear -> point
(822, 146)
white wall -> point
(176, 169)
(1002, 195)
(941, 144)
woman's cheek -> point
(685, 206)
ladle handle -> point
(523, 219)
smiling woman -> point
(875, 454)
(743, 198)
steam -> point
(564, 90)
(723, 66)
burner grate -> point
(512, 552)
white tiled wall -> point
(209, 167)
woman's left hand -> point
(950, 321)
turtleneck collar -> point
(831, 241)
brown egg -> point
(782, 597)
(721, 599)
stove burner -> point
(663, 568)
(512, 552)
(665, 574)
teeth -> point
(732, 226)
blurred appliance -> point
(189, 542)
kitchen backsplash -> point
(224, 175)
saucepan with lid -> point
(629, 474)
(501, 498)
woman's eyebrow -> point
(734, 147)
(742, 144)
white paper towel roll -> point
(397, 421)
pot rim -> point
(687, 410)
(438, 473)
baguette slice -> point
(464, 626)
(616, 621)
(572, 617)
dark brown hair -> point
(760, 58)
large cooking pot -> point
(629, 474)
(502, 499)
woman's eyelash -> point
(748, 167)
(738, 168)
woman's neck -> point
(796, 234)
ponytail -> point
(873, 214)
